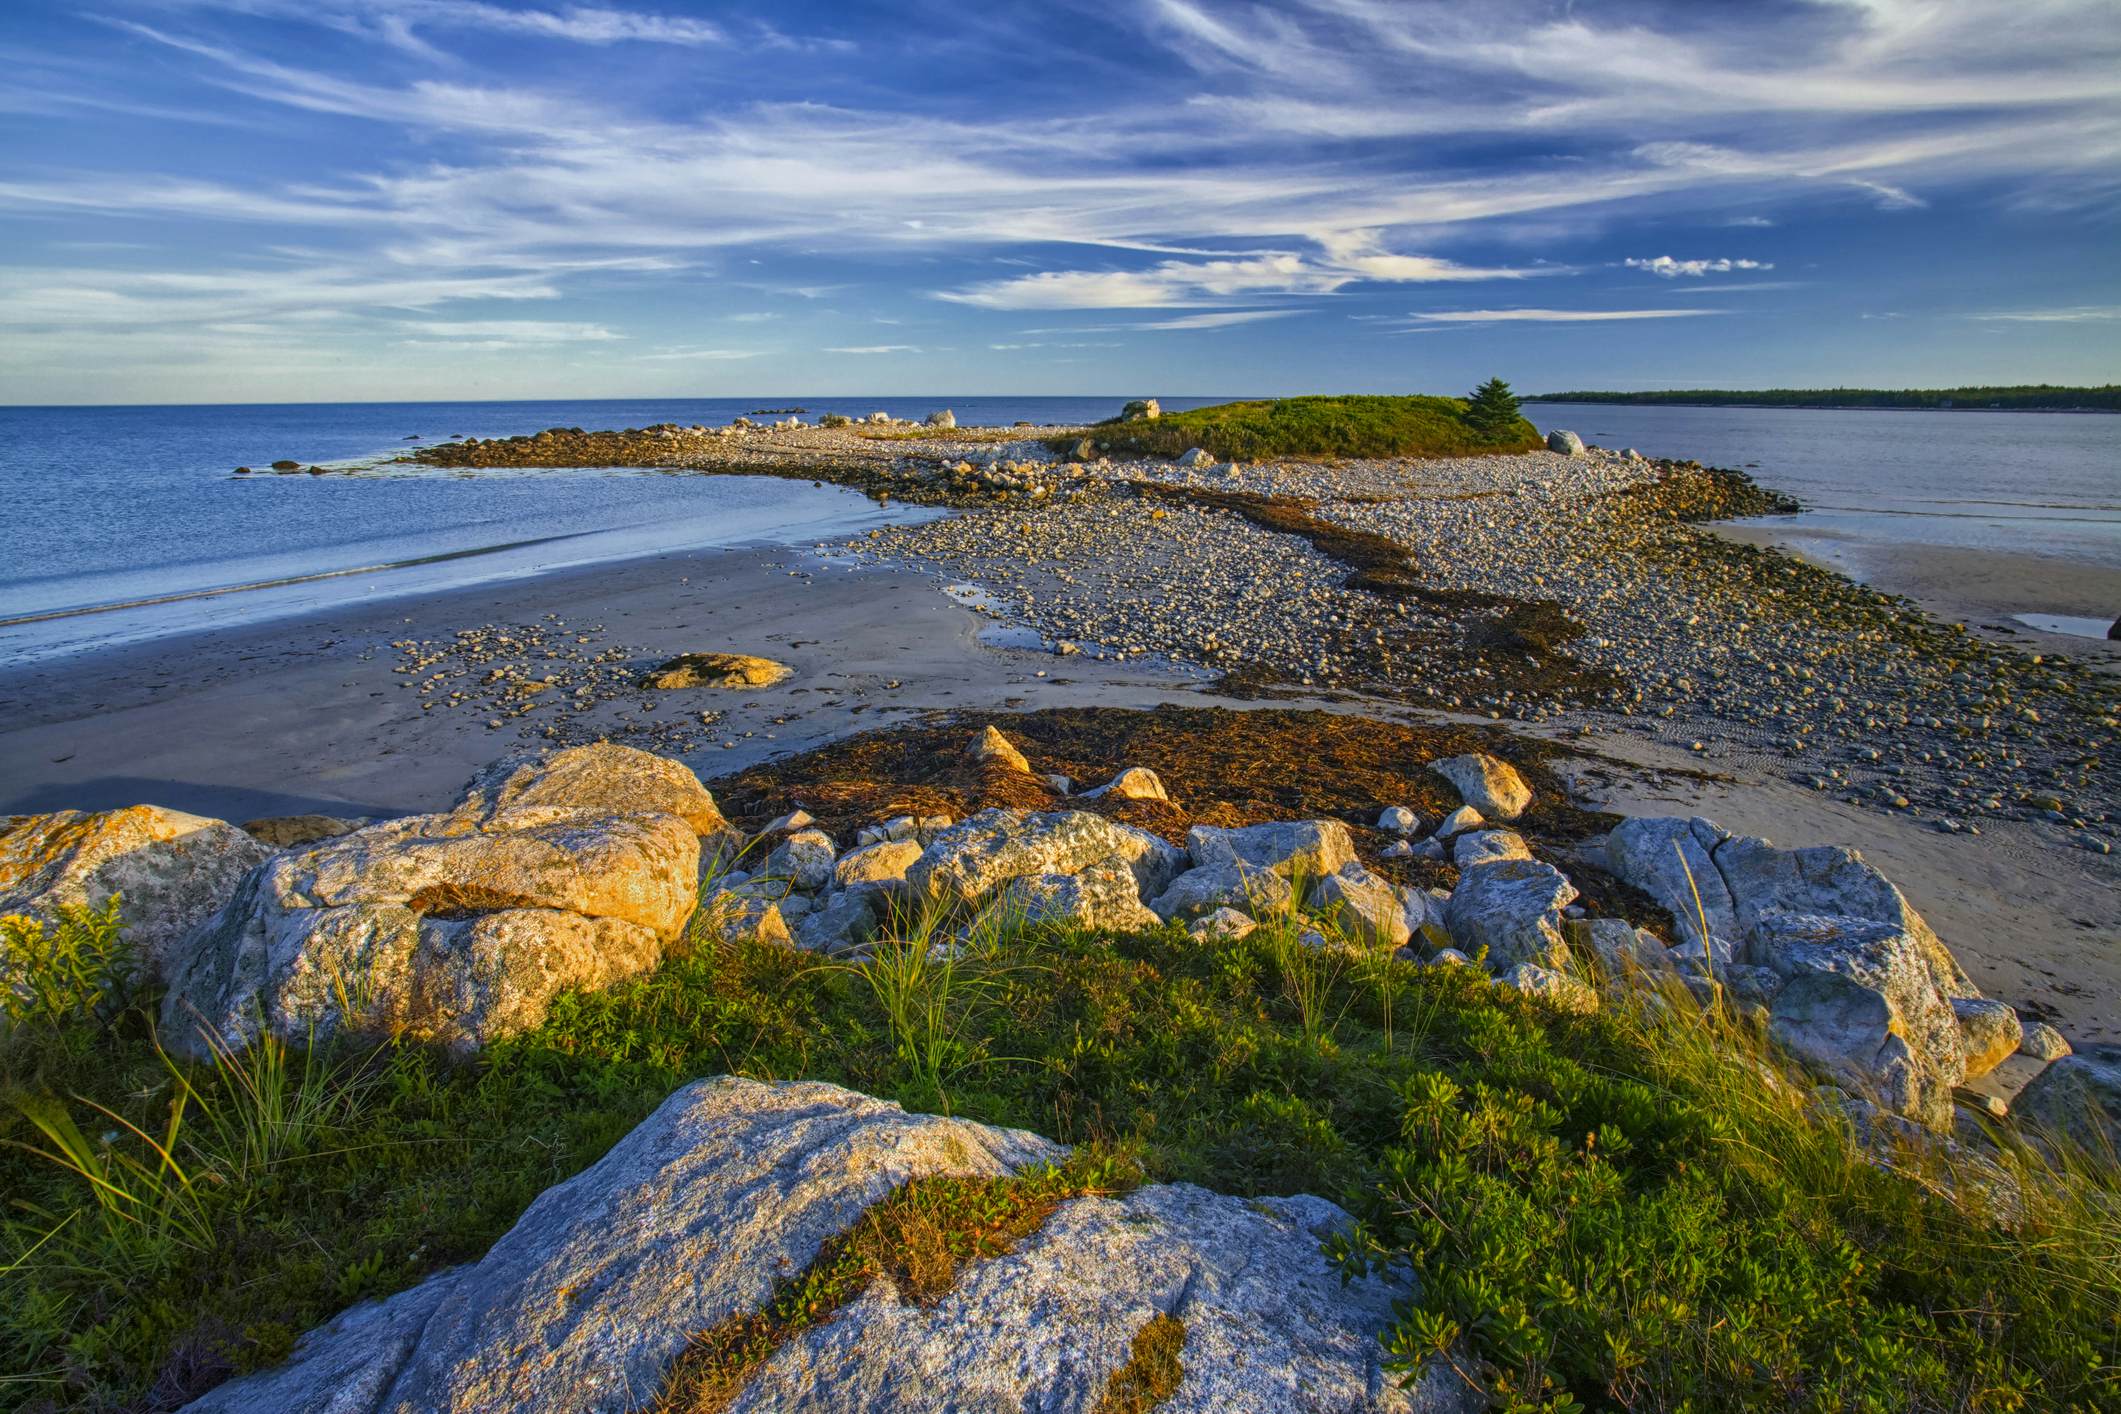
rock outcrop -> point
(571, 871)
(1513, 909)
(733, 1185)
(1488, 784)
(1854, 981)
(716, 670)
(2079, 1098)
(172, 870)
(970, 861)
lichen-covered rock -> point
(1464, 818)
(1565, 442)
(601, 777)
(1294, 849)
(1513, 909)
(1477, 847)
(879, 868)
(991, 746)
(805, 859)
(1223, 925)
(287, 831)
(172, 870)
(1101, 895)
(1670, 860)
(1134, 783)
(969, 861)
(1362, 905)
(728, 1187)
(1558, 989)
(2079, 1098)
(1222, 887)
(455, 928)
(1489, 785)
(1858, 1003)
(743, 918)
(716, 670)
(1989, 1031)
(732, 1186)
(2043, 1042)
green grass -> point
(1606, 1211)
(1350, 426)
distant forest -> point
(2037, 395)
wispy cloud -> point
(1668, 268)
(1225, 320)
(2079, 314)
(876, 349)
(1554, 316)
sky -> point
(351, 200)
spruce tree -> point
(1492, 408)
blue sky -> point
(293, 200)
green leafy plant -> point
(78, 967)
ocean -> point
(125, 522)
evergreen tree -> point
(1492, 408)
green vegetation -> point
(1352, 426)
(1152, 1372)
(2031, 395)
(1492, 409)
(1622, 1210)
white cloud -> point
(1668, 268)
(876, 349)
(1223, 320)
(2080, 314)
(520, 331)
(1554, 316)
(668, 355)
(1176, 283)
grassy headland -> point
(1348, 426)
(1630, 1209)
(2031, 397)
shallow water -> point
(2027, 483)
(111, 507)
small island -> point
(2029, 397)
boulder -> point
(1624, 951)
(1398, 820)
(806, 859)
(172, 871)
(1424, 913)
(1141, 410)
(287, 831)
(1196, 459)
(1989, 1033)
(744, 918)
(1566, 443)
(2078, 1098)
(716, 670)
(1364, 906)
(732, 1186)
(879, 868)
(1477, 847)
(1223, 925)
(968, 862)
(602, 777)
(1464, 818)
(1670, 860)
(456, 928)
(1134, 783)
(2043, 1042)
(1307, 849)
(945, 418)
(1858, 1003)
(1558, 989)
(991, 746)
(1224, 887)
(1103, 896)
(1489, 785)
(1513, 909)
(839, 923)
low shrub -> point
(1347, 426)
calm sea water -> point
(2032, 483)
(114, 506)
